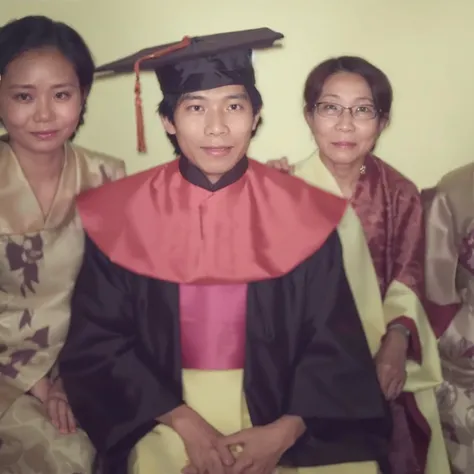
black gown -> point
(306, 354)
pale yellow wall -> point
(425, 46)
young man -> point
(201, 341)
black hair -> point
(36, 32)
(170, 102)
(376, 79)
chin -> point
(215, 171)
(344, 158)
(217, 165)
(47, 147)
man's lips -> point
(217, 151)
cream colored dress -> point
(39, 260)
(450, 284)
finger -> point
(234, 439)
(273, 164)
(189, 469)
(52, 408)
(242, 463)
(292, 169)
(393, 385)
(71, 421)
(62, 414)
(283, 165)
(386, 374)
(399, 389)
(215, 465)
(225, 454)
(386, 390)
(382, 376)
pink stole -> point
(213, 323)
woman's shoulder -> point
(455, 187)
(97, 156)
(460, 177)
(395, 179)
(113, 167)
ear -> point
(168, 126)
(383, 124)
(308, 116)
(85, 95)
(255, 120)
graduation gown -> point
(231, 298)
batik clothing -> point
(40, 257)
(450, 289)
(388, 208)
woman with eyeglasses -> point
(347, 106)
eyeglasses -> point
(358, 112)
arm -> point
(441, 264)
(404, 300)
(408, 359)
(114, 395)
(41, 389)
(335, 387)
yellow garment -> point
(376, 315)
(217, 396)
(40, 257)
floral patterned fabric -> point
(40, 257)
(450, 288)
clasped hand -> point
(251, 451)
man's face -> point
(214, 128)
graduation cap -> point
(193, 64)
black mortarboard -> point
(198, 63)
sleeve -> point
(114, 169)
(405, 296)
(115, 396)
(335, 387)
(441, 263)
(120, 170)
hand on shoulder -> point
(282, 165)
